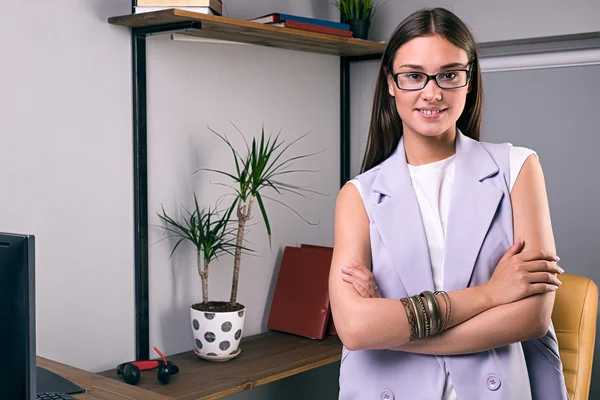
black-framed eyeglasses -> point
(451, 79)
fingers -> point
(538, 288)
(538, 254)
(544, 277)
(361, 278)
(513, 250)
(361, 271)
(362, 287)
(543, 266)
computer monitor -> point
(20, 378)
(17, 316)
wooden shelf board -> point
(237, 30)
(264, 358)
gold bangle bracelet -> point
(434, 310)
(425, 315)
(418, 316)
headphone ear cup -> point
(131, 374)
(164, 373)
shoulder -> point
(526, 169)
(518, 157)
(352, 195)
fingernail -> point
(345, 268)
(562, 271)
(355, 263)
(554, 287)
(557, 258)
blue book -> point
(278, 17)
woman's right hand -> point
(522, 274)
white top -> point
(433, 188)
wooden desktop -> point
(265, 358)
(98, 387)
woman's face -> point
(431, 111)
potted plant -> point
(218, 325)
(357, 14)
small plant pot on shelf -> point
(360, 28)
(217, 333)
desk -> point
(99, 387)
(265, 358)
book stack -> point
(300, 303)
(213, 7)
(305, 24)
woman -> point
(444, 270)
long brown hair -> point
(385, 130)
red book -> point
(331, 325)
(314, 28)
(301, 298)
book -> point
(300, 303)
(201, 10)
(314, 28)
(215, 5)
(278, 17)
(331, 325)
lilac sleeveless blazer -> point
(479, 232)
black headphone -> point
(130, 371)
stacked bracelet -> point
(424, 314)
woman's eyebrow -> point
(420, 67)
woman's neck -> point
(422, 150)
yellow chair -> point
(574, 319)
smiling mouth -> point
(432, 112)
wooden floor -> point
(264, 358)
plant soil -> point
(217, 306)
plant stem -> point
(203, 276)
(243, 214)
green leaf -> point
(264, 215)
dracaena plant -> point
(260, 169)
(208, 230)
(352, 10)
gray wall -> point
(500, 20)
(65, 157)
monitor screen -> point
(17, 316)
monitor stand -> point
(49, 382)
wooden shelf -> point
(237, 30)
(264, 358)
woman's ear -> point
(390, 82)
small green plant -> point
(208, 231)
(258, 170)
(356, 10)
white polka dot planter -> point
(217, 334)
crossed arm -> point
(478, 321)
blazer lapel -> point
(398, 220)
(472, 209)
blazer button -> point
(493, 382)
(387, 395)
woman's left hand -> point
(362, 279)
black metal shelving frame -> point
(140, 166)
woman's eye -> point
(415, 77)
(448, 75)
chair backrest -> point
(574, 319)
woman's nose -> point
(431, 92)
